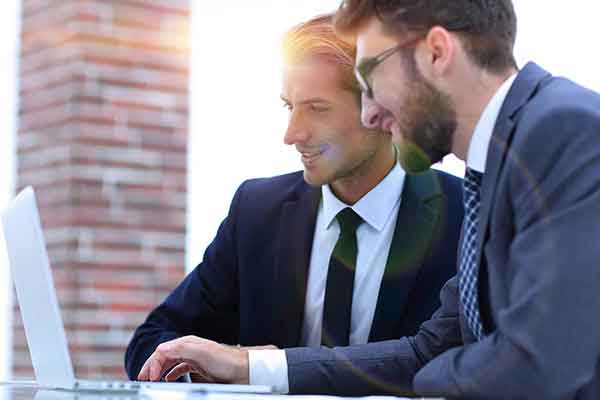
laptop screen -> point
(30, 271)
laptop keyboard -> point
(116, 386)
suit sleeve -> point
(546, 344)
(204, 304)
(376, 368)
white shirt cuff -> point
(269, 367)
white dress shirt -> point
(379, 211)
(480, 141)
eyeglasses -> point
(364, 70)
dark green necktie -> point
(337, 310)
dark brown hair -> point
(487, 28)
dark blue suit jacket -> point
(250, 287)
(539, 269)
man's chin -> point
(313, 180)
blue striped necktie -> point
(468, 270)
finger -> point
(201, 376)
(147, 373)
(178, 372)
(173, 353)
(152, 364)
(188, 349)
(143, 375)
(159, 363)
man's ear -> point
(435, 53)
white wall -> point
(237, 118)
(9, 32)
(237, 122)
(562, 37)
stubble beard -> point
(427, 127)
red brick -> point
(103, 126)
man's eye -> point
(288, 106)
(319, 109)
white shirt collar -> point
(374, 207)
(480, 142)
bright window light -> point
(237, 122)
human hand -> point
(195, 377)
(208, 361)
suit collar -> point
(523, 88)
(418, 216)
(295, 232)
(375, 207)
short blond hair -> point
(316, 39)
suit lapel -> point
(523, 88)
(296, 231)
(417, 218)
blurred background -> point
(136, 120)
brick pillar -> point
(103, 125)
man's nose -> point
(371, 113)
(297, 131)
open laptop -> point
(30, 270)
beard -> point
(427, 127)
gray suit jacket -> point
(539, 261)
